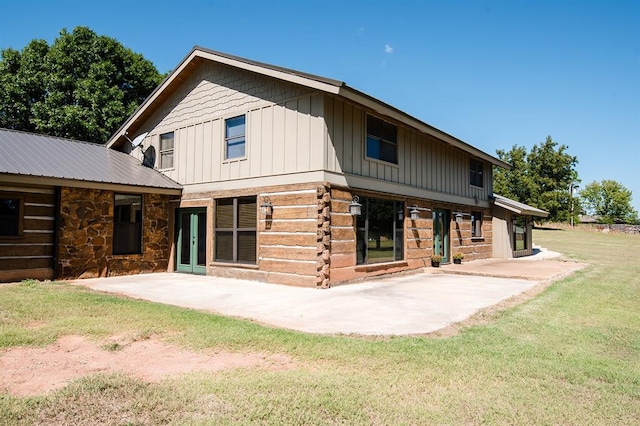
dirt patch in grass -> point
(26, 371)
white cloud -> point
(388, 48)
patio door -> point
(191, 247)
(441, 224)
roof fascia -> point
(532, 211)
(72, 183)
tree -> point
(83, 86)
(541, 177)
(610, 200)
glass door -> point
(192, 241)
(441, 224)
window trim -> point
(20, 218)
(226, 139)
(140, 224)
(474, 172)
(166, 151)
(381, 140)
(235, 230)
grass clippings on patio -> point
(569, 355)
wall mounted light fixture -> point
(266, 208)
(414, 213)
(355, 208)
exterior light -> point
(458, 217)
(355, 208)
(414, 213)
(266, 208)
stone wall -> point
(418, 237)
(85, 236)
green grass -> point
(571, 355)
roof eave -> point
(11, 178)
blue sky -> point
(492, 73)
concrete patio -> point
(396, 305)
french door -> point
(192, 241)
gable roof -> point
(518, 207)
(76, 163)
(335, 87)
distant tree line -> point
(545, 177)
(83, 86)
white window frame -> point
(167, 151)
(226, 139)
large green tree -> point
(541, 177)
(83, 86)
(610, 200)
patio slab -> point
(396, 305)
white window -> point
(235, 137)
(166, 151)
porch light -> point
(266, 208)
(355, 208)
(414, 213)
(459, 217)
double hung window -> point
(166, 151)
(382, 140)
(235, 230)
(235, 137)
(476, 168)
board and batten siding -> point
(423, 161)
(30, 255)
(280, 139)
(285, 130)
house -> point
(73, 210)
(512, 225)
(252, 171)
(274, 163)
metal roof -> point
(518, 207)
(28, 154)
(317, 82)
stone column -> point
(323, 244)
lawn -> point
(571, 355)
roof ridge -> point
(43, 135)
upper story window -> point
(166, 151)
(127, 224)
(476, 168)
(382, 140)
(235, 137)
(9, 217)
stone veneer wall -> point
(323, 242)
(85, 236)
